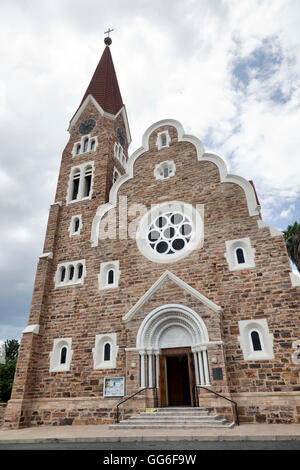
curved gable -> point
(253, 207)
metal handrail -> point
(237, 421)
(131, 396)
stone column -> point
(143, 377)
(202, 380)
(205, 363)
(150, 372)
(196, 368)
(156, 369)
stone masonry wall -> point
(82, 311)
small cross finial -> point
(108, 40)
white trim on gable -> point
(253, 207)
(182, 284)
(274, 232)
(91, 99)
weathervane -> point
(108, 40)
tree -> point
(11, 348)
(7, 370)
(292, 241)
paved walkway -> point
(101, 433)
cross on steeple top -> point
(108, 31)
(108, 40)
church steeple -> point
(104, 85)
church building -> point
(159, 283)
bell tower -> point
(99, 134)
(94, 158)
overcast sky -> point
(227, 70)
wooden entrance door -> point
(176, 377)
(162, 391)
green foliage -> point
(11, 348)
(292, 242)
(7, 370)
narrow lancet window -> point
(107, 349)
(110, 276)
(256, 343)
(76, 225)
(71, 273)
(80, 271)
(85, 144)
(62, 274)
(87, 181)
(76, 178)
(63, 355)
(240, 256)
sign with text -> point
(114, 386)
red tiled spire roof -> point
(104, 85)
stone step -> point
(175, 418)
(154, 416)
(171, 422)
(180, 413)
(170, 426)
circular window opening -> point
(170, 231)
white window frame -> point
(82, 169)
(159, 140)
(260, 339)
(103, 275)
(116, 171)
(195, 242)
(72, 225)
(98, 351)
(69, 282)
(119, 153)
(260, 325)
(231, 256)
(160, 167)
(55, 355)
(81, 143)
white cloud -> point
(172, 62)
(287, 212)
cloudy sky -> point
(228, 70)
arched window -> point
(78, 148)
(75, 182)
(87, 181)
(255, 339)
(111, 276)
(62, 274)
(71, 272)
(107, 351)
(85, 144)
(163, 140)
(79, 271)
(116, 175)
(63, 355)
(76, 224)
(240, 256)
(93, 143)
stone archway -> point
(171, 326)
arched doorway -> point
(171, 358)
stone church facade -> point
(158, 276)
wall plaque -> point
(114, 387)
(217, 373)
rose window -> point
(170, 233)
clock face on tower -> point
(121, 136)
(86, 126)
